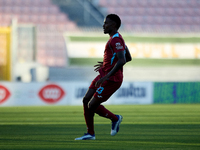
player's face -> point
(108, 26)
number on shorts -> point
(100, 90)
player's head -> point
(116, 19)
(112, 23)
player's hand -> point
(98, 66)
(100, 81)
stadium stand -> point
(156, 15)
(53, 17)
(37, 12)
(83, 12)
(50, 24)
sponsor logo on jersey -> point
(4, 94)
(118, 46)
(51, 93)
(99, 96)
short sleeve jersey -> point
(113, 46)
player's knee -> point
(90, 106)
(85, 100)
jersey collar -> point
(115, 35)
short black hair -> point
(115, 18)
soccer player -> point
(108, 81)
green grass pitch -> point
(144, 127)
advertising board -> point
(69, 93)
(176, 92)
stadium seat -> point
(140, 12)
(136, 15)
(48, 19)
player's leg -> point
(101, 95)
(103, 112)
(89, 114)
(94, 104)
(89, 117)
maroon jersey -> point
(114, 45)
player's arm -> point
(121, 61)
(128, 55)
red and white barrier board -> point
(69, 93)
